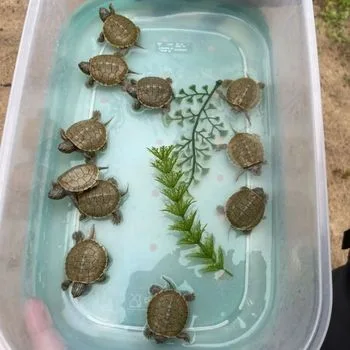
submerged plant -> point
(194, 149)
(180, 204)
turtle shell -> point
(79, 178)
(120, 32)
(167, 313)
(88, 135)
(86, 262)
(100, 201)
(244, 93)
(154, 92)
(108, 70)
(245, 208)
(245, 150)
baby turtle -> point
(242, 94)
(167, 313)
(118, 30)
(87, 136)
(245, 208)
(86, 263)
(151, 92)
(246, 151)
(103, 200)
(77, 179)
(107, 70)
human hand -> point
(40, 327)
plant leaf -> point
(193, 88)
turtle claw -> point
(65, 285)
(184, 336)
(116, 218)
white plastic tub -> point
(280, 295)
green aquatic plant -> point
(180, 205)
(194, 149)
(336, 14)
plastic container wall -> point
(299, 316)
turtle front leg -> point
(116, 217)
(184, 336)
(65, 284)
(155, 289)
(82, 217)
(188, 296)
(136, 106)
(104, 278)
(160, 339)
(166, 108)
(101, 38)
(148, 333)
(78, 236)
(90, 83)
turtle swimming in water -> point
(86, 263)
(107, 70)
(245, 208)
(246, 151)
(118, 30)
(101, 201)
(151, 92)
(77, 179)
(242, 94)
(87, 136)
(167, 313)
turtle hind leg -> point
(65, 284)
(148, 333)
(116, 217)
(136, 106)
(184, 336)
(90, 82)
(101, 38)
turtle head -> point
(66, 147)
(85, 67)
(104, 13)
(78, 289)
(57, 191)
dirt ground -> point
(335, 79)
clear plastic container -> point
(280, 295)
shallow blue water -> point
(195, 42)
